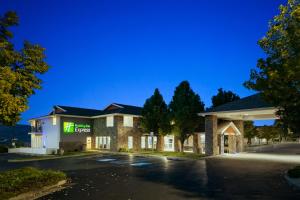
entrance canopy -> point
(249, 108)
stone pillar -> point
(211, 139)
(232, 141)
(195, 143)
(240, 138)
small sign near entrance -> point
(72, 127)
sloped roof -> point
(124, 109)
(119, 108)
(224, 126)
(251, 102)
(68, 110)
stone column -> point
(195, 143)
(211, 139)
(240, 138)
(232, 141)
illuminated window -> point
(110, 121)
(54, 120)
(102, 142)
(128, 121)
(143, 142)
(130, 142)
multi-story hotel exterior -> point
(115, 128)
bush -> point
(123, 150)
(3, 149)
(15, 182)
(294, 173)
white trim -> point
(60, 108)
(203, 114)
(79, 116)
(231, 124)
(114, 114)
(113, 104)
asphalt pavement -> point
(135, 177)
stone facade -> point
(211, 137)
(76, 141)
(118, 133)
(240, 138)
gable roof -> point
(68, 110)
(116, 109)
(251, 102)
(222, 128)
(123, 109)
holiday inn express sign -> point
(72, 127)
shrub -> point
(15, 182)
(3, 149)
(294, 173)
(123, 150)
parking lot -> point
(134, 177)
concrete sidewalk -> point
(292, 158)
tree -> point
(184, 109)
(268, 132)
(223, 97)
(250, 131)
(155, 116)
(19, 70)
(277, 76)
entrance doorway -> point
(88, 143)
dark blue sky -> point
(119, 51)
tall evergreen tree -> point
(19, 72)
(184, 109)
(155, 116)
(223, 97)
(277, 76)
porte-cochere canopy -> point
(234, 113)
(249, 108)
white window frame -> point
(143, 142)
(54, 120)
(130, 142)
(128, 121)
(110, 121)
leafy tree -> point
(223, 97)
(19, 70)
(250, 131)
(268, 132)
(283, 130)
(155, 116)
(184, 109)
(277, 76)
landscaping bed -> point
(294, 173)
(19, 181)
(50, 157)
(165, 154)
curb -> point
(294, 182)
(50, 158)
(156, 156)
(41, 192)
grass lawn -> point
(49, 157)
(15, 182)
(173, 154)
(294, 173)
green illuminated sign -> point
(71, 127)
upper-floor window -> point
(54, 120)
(110, 121)
(128, 121)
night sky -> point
(102, 52)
